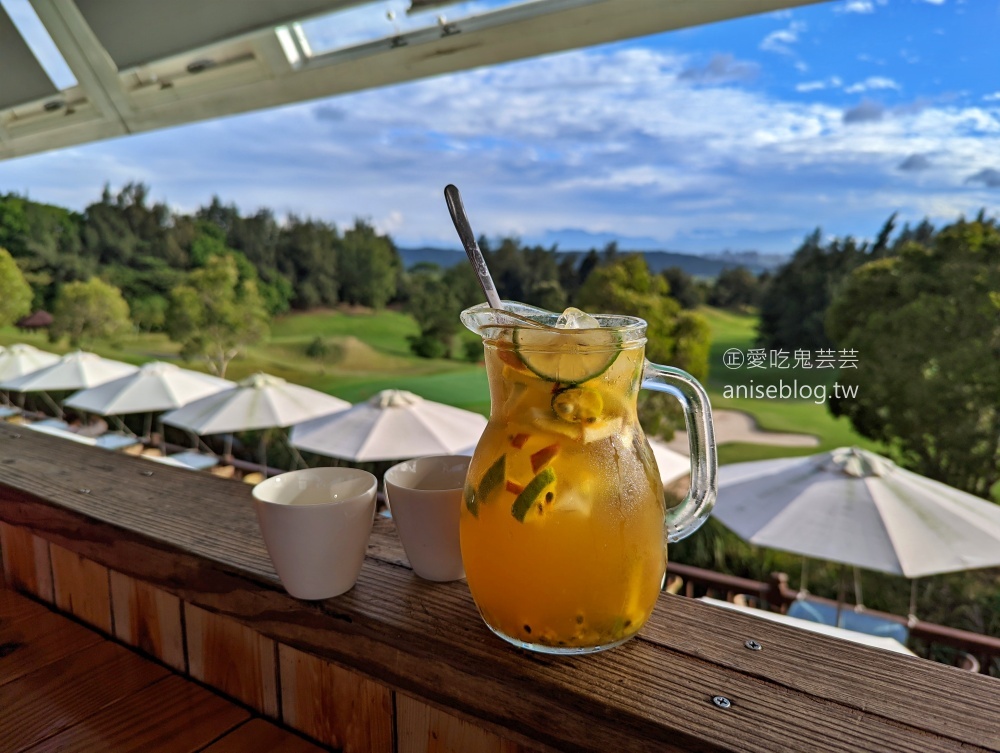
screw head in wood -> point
(147, 473)
(84, 491)
(752, 645)
(722, 702)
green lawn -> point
(386, 331)
(731, 330)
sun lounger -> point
(860, 622)
(197, 460)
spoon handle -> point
(454, 200)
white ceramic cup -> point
(425, 498)
(316, 525)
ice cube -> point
(573, 318)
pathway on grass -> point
(736, 426)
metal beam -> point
(91, 64)
(251, 82)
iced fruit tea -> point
(563, 523)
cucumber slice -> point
(569, 356)
(535, 493)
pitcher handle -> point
(687, 517)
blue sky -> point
(741, 135)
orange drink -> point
(563, 526)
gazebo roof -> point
(37, 320)
(140, 65)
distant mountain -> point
(698, 266)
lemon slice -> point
(576, 350)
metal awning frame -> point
(274, 66)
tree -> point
(15, 292)
(45, 240)
(675, 337)
(369, 267)
(150, 313)
(794, 303)
(925, 325)
(307, 258)
(736, 289)
(217, 313)
(434, 305)
(89, 310)
(682, 287)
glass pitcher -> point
(563, 526)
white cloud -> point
(856, 6)
(935, 2)
(780, 41)
(593, 140)
(994, 97)
(872, 83)
(833, 82)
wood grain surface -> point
(258, 736)
(81, 587)
(425, 729)
(26, 561)
(233, 658)
(69, 691)
(65, 688)
(14, 607)
(337, 706)
(171, 716)
(802, 692)
(148, 618)
(37, 639)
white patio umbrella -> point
(156, 386)
(260, 401)
(671, 463)
(73, 371)
(857, 508)
(392, 425)
(20, 359)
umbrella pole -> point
(263, 452)
(804, 578)
(227, 448)
(148, 428)
(296, 455)
(53, 404)
(912, 614)
(841, 593)
(859, 600)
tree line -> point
(144, 249)
(921, 309)
(211, 279)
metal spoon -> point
(458, 216)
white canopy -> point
(18, 360)
(74, 371)
(157, 386)
(261, 401)
(857, 508)
(392, 425)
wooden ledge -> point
(195, 537)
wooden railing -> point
(171, 562)
(776, 595)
